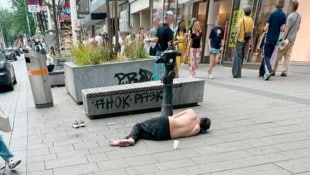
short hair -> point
(247, 10)
(205, 123)
(280, 4)
(295, 5)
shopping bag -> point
(5, 125)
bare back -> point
(184, 124)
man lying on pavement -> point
(183, 124)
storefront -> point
(260, 13)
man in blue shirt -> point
(275, 24)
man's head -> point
(205, 124)
(169, 17)
(294, 5)
(156, 21)
(280, 4)
(247, 10)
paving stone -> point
(41, 158)
(175, 164)
(65, 162)
(98, 157)
(141, 169)
(37, 166)
(254, 131)
(45, 172)
(141, 160)
(175, 155)
(77, 169)
(268, 169)
(113, 164)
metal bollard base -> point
(46, 105)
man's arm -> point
(266, 28)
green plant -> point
(85, 55)
(135, 51)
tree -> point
(6, 22)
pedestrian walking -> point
(195, 48)
(244, 34)
(275, 24)
(216, 46)
(180, 45)
(287, 42)
(5, 153)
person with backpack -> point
(244, 34)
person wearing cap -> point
(275, 24)
(245, 24)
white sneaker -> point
(210, 76)
(2, 166)
(13, 162)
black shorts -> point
(158, 128)
(154, 129)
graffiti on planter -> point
(134, 77)
(128, 100)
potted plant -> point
(98, 67)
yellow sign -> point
(233, 29)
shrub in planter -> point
(87, 55)
(135, 50)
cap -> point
(169, 14)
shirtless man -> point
(183, 124)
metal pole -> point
(27, 18)
(115, 27)
(74, 21)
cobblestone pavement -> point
(258, 127)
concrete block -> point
(111, 100)
(109, 74)
(57, 78)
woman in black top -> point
(216, 47)
(195, 47)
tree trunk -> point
(57, 47)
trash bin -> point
(38, 77)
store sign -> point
(32, 2)
(33, 8)
(233, 29)
(43, 8)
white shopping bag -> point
(5, 125)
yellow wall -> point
(301, 50)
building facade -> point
(140, 13)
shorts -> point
(215, 51)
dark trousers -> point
(265, 66)
(152, 129)
(238, 59)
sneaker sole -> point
(15, 165)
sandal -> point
(75, 124)
(82, 123)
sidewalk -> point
(258, 127)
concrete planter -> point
(109, 74)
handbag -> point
(5, 124)
(247, 35)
